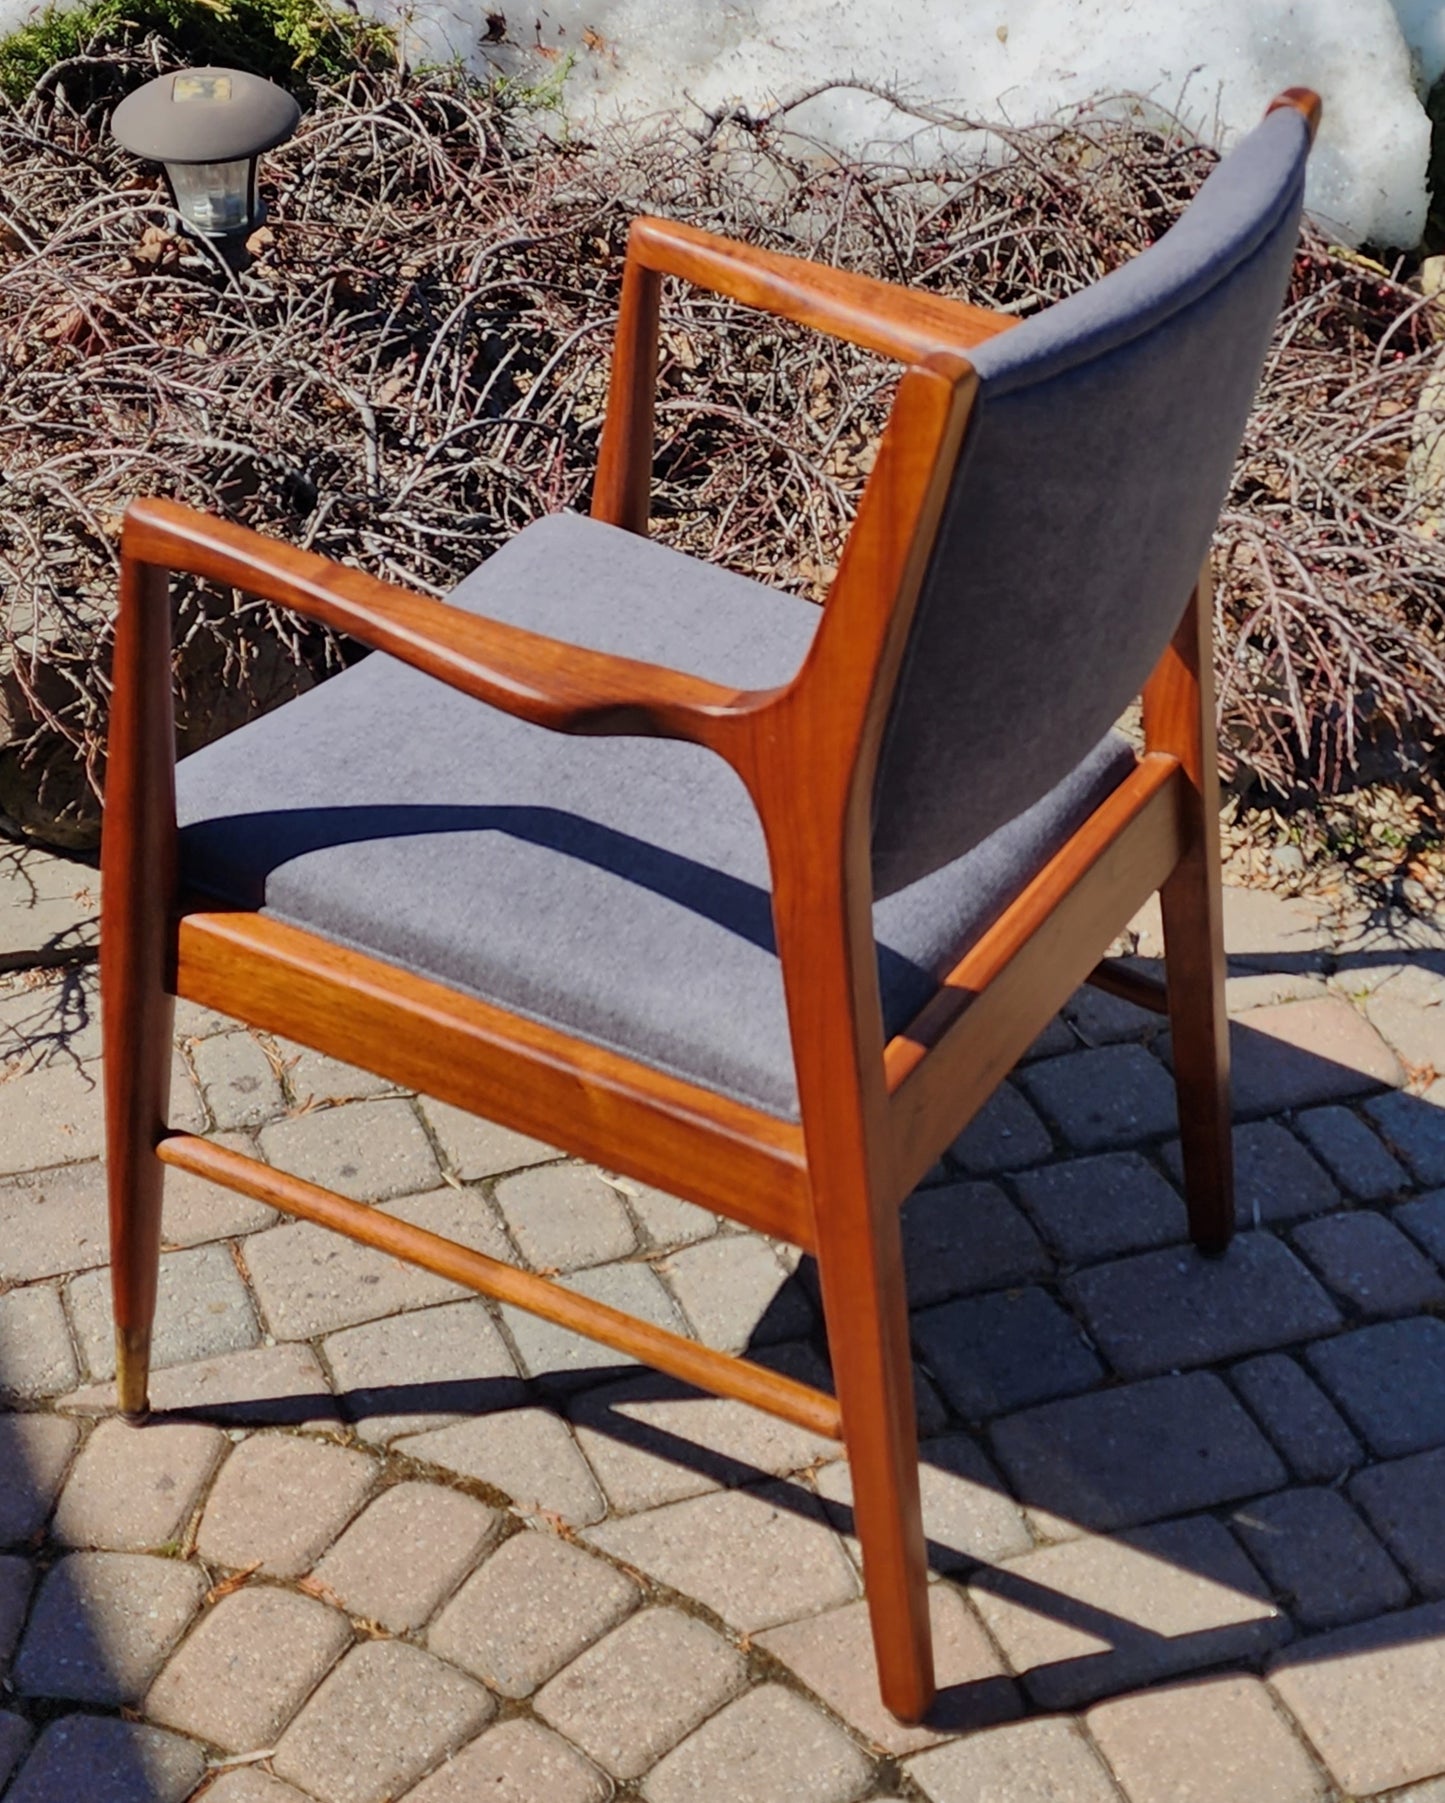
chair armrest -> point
(905, 323)
(546, 681)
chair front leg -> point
(1179, 719)
(865, 1306)
(137, 921)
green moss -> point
(297, 43)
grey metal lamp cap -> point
(204, 116)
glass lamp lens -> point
(212, 196)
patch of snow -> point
(1216, 63)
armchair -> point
(775, 936)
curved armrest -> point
(908, 324)
(543, 680)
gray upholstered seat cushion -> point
(617, 888)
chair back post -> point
(622, 490)
(137, 950)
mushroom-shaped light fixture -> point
(208, 127)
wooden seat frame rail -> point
(873, 1116)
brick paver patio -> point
(384, 1540)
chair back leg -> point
(1179, 718)
(865, 1306)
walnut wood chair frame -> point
(874, 1116)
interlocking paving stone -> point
(1029, 1762)
(1263, 988)
(527, 1453)
(564, 1217)
(248, 1666)
(1004, 1134)
(463, 1215)
(1145, 1450)
(966, 1236)
(1096, 1207)
(1365, 1259)
(36, 1356)
(833, 1655)
(387, 1713)
(281, 1501)
(1356, 1157)
(132, 1489)
(474, 1147)
(1305, 1052)
(1055, 1039)
(53, 1222)
(990, 1354)
(736, 1293)
(651, 1440)
(1424, 1221)
(51, 1116)
(1105, 1098)
(237, 1079)
(1104, 1019)
(1162, 1311)
(415, 1372)
(196, 1211)
(313, 1077)
(1405, 1503)
(1094, 1616)
(754, 1557)
(368, 1151)
(34, 1453)
(767, 1747)
(1390, 1382)
(968, 1514)
(269, 1384)
(15, 1584)
(564, 1360)
(407, 1552)
(14, 1739)
(1321, 1559)
(202, 1311)
(1275, 1178)
(248, 1785)
(638, 1691)
(515, 1762)
(1409, 1010)
(123, 1762)
(1297, 1415)
(310, 1280)
(533, 1606)
(1414, 1126)
(103, 1624)
(1368, 1697)
(1217, 1741)
(666, 1221)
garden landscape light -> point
(207, 127)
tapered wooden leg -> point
(1199, 1029)
(866, 1308)
(1179, 718)
(137, 894)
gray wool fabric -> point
(618, 888)
(1095, 465)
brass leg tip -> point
(135, 1417)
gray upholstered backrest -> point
(1096, 461)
